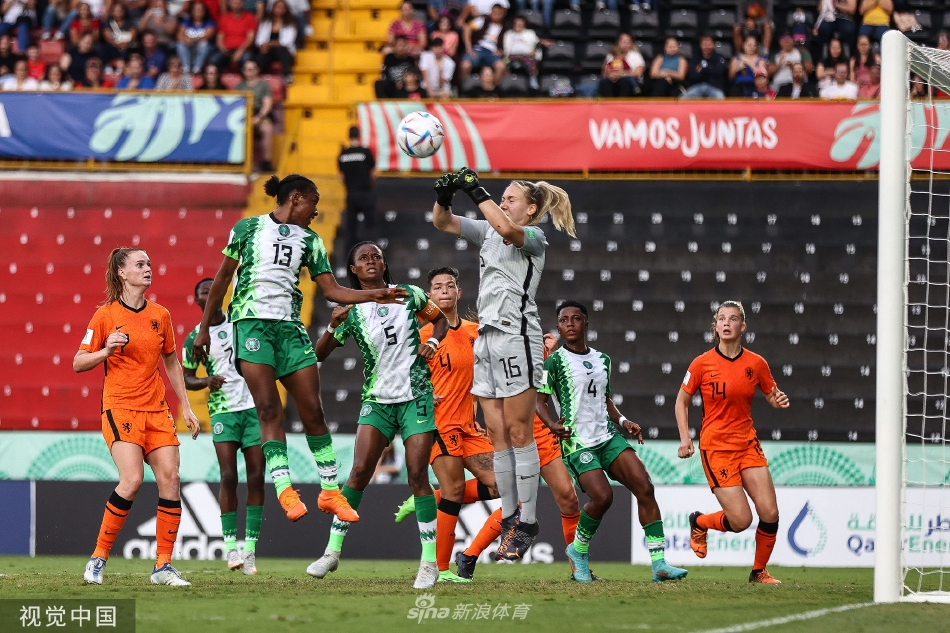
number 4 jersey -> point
(388, 337)
(580, 384)
(271, 255)
(233, 394)
(727, 386)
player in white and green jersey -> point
(234, 426)
(579, 379)
(396, 398)
(268, 252)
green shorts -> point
(408, 418)
(238, 426)
(284, 345)
(599, 457)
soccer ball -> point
(420, 135)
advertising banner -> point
(68, 516)
(83, 456)
(596, 136)
(135, 128)
(818, 527)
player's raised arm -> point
(327, 341)
(468, 182)
(339, 294)
(442, 216)
(219, 288)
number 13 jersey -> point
(270, 256)
(727, 386)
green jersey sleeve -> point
(233, 249)
(315, 258)
(547, 382)
(417, 297)
(343, 331)
(187, 356)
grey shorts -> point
(507, 364)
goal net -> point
(913, 356)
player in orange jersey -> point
(129, 336)
(459, 442)
(726, 377)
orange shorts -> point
(549, 448)
(723, 468)
(458, 442)
(148, 429)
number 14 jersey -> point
(727, 386)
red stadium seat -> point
(52, 263)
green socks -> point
(656, 541)
(322, 448)
(275, 454)
(426, 516)
(339, 528)
(252, 529)
(586, 528)
(229, 530)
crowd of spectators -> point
(147, 44)
(829, 49)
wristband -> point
(622, 420)
(433, 342)
(479, 195)
(330, 329)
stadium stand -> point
(651, 270)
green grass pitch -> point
(377, 596)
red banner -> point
(654, 136)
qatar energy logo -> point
(807, 535)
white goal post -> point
(911, 394)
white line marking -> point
(808, 615)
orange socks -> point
(117, 509)
(447, 518)
(714, 521)
(166, 529)
(486, 535)
(764, 543)
(569, 525)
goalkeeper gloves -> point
(468, 182)
(445, 188)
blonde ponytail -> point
(548, 199)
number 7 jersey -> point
(580, 384)
(271, 255)
(233, 394)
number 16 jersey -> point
(727, 386)
(270, 256)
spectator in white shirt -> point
(781, 67)
(20, 79)
(520, 45)
(840, 88)
(437, 70)
(477, 12)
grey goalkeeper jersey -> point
(508, 277)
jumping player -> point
(234, 426)
(270, 341)
(129, 335)
(554, 474)
(579, 379)
(509, 349)
(397, 397)
(727, 376)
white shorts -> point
(507, 364)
